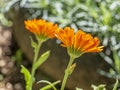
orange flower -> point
(79, 42)
(41, 27)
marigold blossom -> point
(41, 27)
(78, 42)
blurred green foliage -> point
(100, 17)
(4, 20)
(102, 86)
(18, 57)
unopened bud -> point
(72, 67)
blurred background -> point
(101, 18)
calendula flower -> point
(79, 42)
(41, 28)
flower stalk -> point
(34, 62)
(42, 30)
(77, 44)
(67, 72)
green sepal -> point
(74, 52)
(27, 76)
(41, 38)
(41, 59)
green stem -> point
(116, 85)
(67, 73)
(34, 61)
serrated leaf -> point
(42, 59)
(27, 77)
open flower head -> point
(41, 27)
(79, 42)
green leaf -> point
(51, 85)
(93, 13)
(27, 77)
(116, 61)
(116, 85)
(78, 88)
(18, 56)
(33, 43)
(106, 14)
(42, 59)
(99, 87)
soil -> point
(10, 76)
